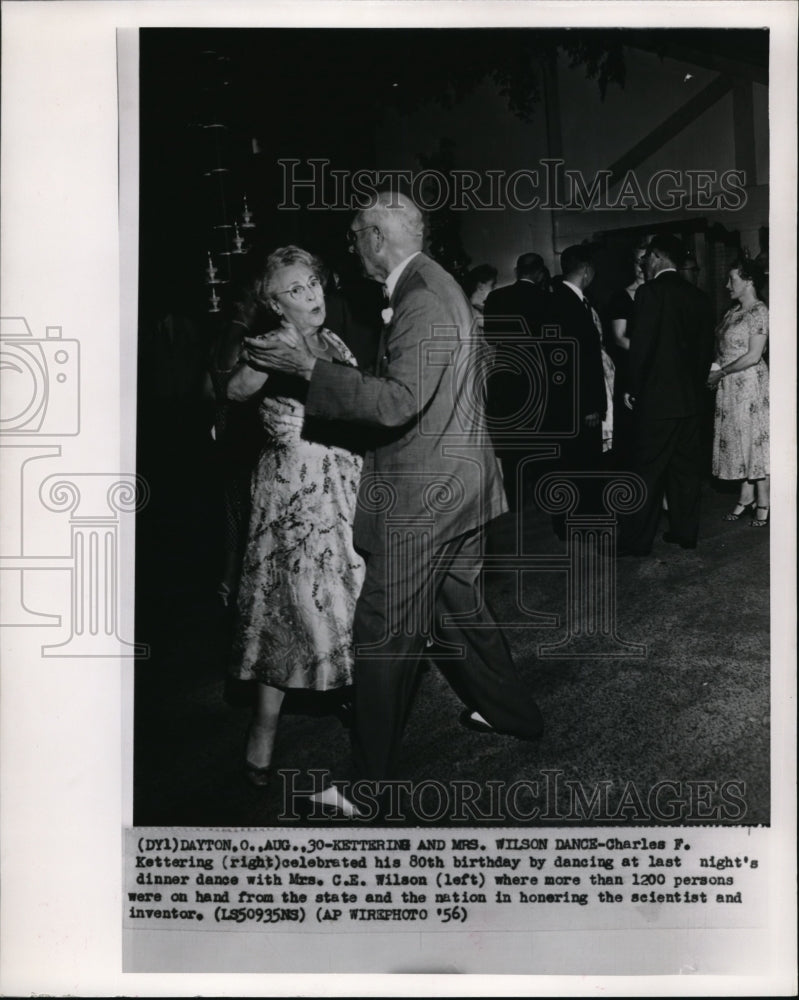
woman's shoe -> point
(760, 522)
(739, 510)
(258, 776)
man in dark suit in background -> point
(526, 297)
(573, 313)
(512, 312)
(671, 348)
(429, 484)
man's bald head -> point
(398, 219)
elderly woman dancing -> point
(300, 576)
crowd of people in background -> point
(317, 395)
(642, 400)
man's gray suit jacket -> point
(432, 468)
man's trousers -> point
(411, 593)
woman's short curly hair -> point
(750, 270)
(276, 261)
(480, 275)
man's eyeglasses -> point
(295, 292)
(352, 235)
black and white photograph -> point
(401, 503)
(614, 591)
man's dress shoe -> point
(480, 726)
(476, 725)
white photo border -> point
(66, 261)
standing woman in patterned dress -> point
(301, 575)
(741, 439)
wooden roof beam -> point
(737, 68)
(670, 127)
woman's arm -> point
(620, 337)
(245, 381)
(235, 378)
(227, 350)
(757, 344)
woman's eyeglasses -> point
(296, 291)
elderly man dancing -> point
(429, 484)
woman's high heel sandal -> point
(739, 510)
(760, 522)
(257, 776)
